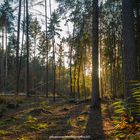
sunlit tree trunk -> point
(84, 82)
(6, 55)
(78, 79)
(74, 77)
(2, 60)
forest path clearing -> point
(40, 119)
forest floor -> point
(37, 118)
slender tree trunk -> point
(46, 23)
(74, 76)
(95, 38)
(70, 72)
(2, 61)
(27, 48)
(22, 44)
(54, 69)
(100, 54)
(17, 49)
(60, 77)
(53, 65)
(78, 80)
(6, 56)
(71, 92)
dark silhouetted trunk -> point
(17, 49)
(46, 22)
(95, 38)
(27, 47)
(129, 58)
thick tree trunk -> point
(95, 38)
(129, 60)
(138, 36)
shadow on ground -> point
(94, 127)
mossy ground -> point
(37, 118)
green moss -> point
(36, 127)
(42, 126)
(31, 119)
(3, 132)
(32, 124)
(23, 138)
(8, 121)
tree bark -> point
(27, 48)
(17, 49)
(46, 21)
(129, 58)
(95, 38)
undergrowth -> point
(127, 116)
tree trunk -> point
(22, 44)
(138, 36)
(95, 38)
(74, 77)
(78, 80)
(84, 82)
(6, 56)
(129, 60)
(17, 49)
(2, 61)
(54, 69)
(27, 48)
(71, 92)
(46, 22)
